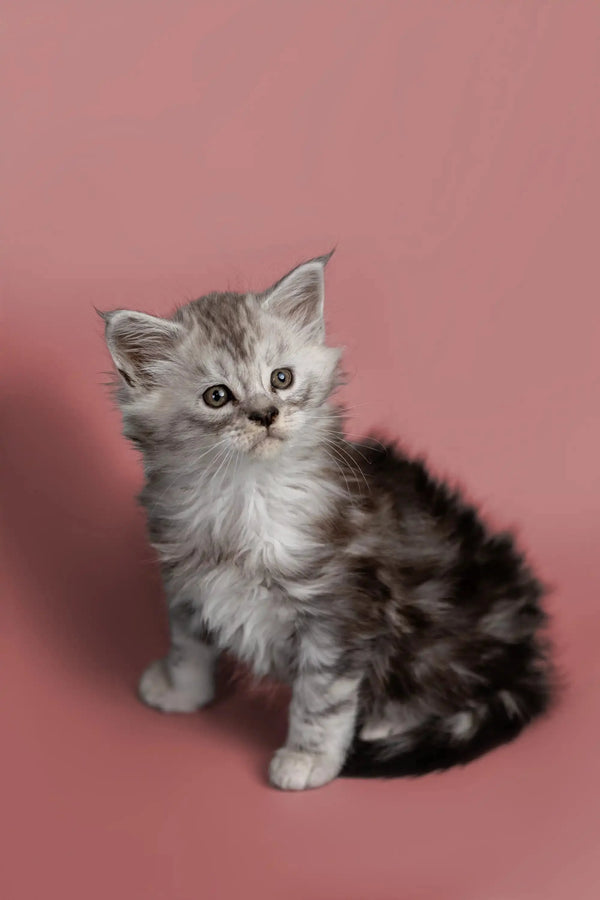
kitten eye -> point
(217, 396)
(281, 378)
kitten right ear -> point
(137, 342)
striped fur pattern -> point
(411, 635)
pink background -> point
(155, 150)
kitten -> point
(409, 633)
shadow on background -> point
(87, 581)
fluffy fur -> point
(410, 634)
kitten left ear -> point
(299, 296)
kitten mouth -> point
(270, 440)
(268, 435)
(267, 443)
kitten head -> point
(228, 372)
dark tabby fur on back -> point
(410, 634)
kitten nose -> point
(264, 417)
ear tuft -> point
(325, 259)
(100, 312)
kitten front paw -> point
(297, 770)
(159, 690)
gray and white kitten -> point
(410, 634)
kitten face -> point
(237, 349)
(228, 372)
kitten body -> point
(409, 633)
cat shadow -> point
(87, 582)
(249, 713)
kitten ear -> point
(299, 296)
(137, 342)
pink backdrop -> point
(155, 150)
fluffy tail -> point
(432, 747)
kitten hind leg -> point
(399, 720)
(393, 719)
(184, 680)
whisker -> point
(344, 445)
(353, 434)
(345, 454)
(185, 476)
(226, 457)
(343, 474)
(348, 446)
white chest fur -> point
(265, 519)
(265, 530)
(253, 621)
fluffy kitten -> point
(409, 633)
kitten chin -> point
(268, 448)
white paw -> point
(296, 770)
(157, 689)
